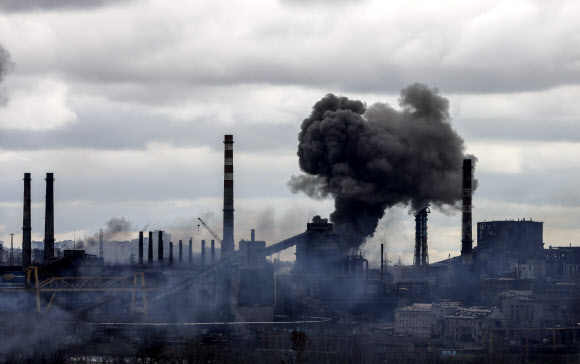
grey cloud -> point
(117, 130)
(355, 77)
(520, 129)
(49, 5)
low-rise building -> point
(423, 319)
(470, 323)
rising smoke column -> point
(372, 159)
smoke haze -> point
(5, 66)
(371, 159)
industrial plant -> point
(508, 296)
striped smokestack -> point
(26, 224)
(228, 236)
(466, 234)
(49, 219)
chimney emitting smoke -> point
(466, 224)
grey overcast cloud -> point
(127, 103)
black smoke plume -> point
(371, 159)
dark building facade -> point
(321, 251)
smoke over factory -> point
(158, 296)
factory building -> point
(321, 251)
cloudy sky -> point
(127, 103)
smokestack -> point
(160, 247)
(190, 258)
(382, 263)
(180, 251)
(26, 225)
(49, 219)
(228, 235)
(424, 249)
(170, 253)
(150, 249)
(140, 248)
(417, 257)
(466, 233)
(421, 250)
(212, 252)
(253, 235)
(203, 253)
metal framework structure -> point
(421, 250)
(53, 285)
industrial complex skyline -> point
(130, 118)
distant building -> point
(521, 309)
(502, 244)
(423, 319)
(469, 324)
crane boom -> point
(216, 237)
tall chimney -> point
(160, 247)
(203, 253)
(26, 225)
(150, 249)
(180, 251)
(417, 257)
(140, 248)
(49, 219)
(228, 235)
(424, 248)
(253, 235)
(170, 253)
(190, 257)
(212, 252)
(466, 228)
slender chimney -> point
(382, 262)
(466, 224)
(253, 235)
(170, 253)
(180, 251)
(26, 225)
(228, 231)
(190, 257)
(49, 219)
(140, 248)
(212, 252)
(203, 253)
(150, 249)
(160, 247)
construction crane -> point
(215, 236)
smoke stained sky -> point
(130, 116)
